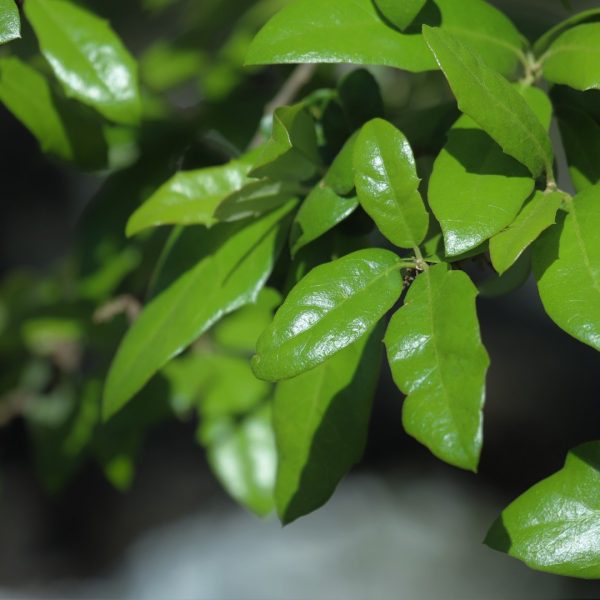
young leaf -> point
(321, 419)
(387, 184)
(231, 268)
(400, 14)
(322, 210)
(581, 139)
(191, 197)
(492, 102)
(436, 356)
(541, 45)
(241, 453)
(10, 23)
(62, 127)
(567, 268)
(475, 189)
(87, 57)
(554, 525)
(332, 307)
(537, 215)
(292, 152)
(574, 58)
(352, 31)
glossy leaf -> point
(574, 58)
(400, 14)
(567, 268)
(230, 268)
(62, 128)
(321, 419)
(581, 139)
(436, 356)
(87, 57)
(333, 306)
(475, 189)
(10, 22)
(291, 152)
(241, 452)
(387, 184)
(191, 197)
(322, 210)
(554, 525)
(541, 45)
(537, 215)
(492, 103)
(352, 31)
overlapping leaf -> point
(231, 266)
(436, 356)
(567, 268)
(333, 306)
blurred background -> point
(145, 518)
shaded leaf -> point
(436, 356)
(567, 268)
(229, 271)
(535, 217)
(321, 419)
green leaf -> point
(400, 14)
(541, 45)
(240, 331)
(332, 307)
(241, 452)
(436, 356)
(475, 190)
(255, 199)
(62, 127)
(581, 139)
(360, 97)
(231, 266)
(87, 57)
(537, 215)
(567, 268)
(387, 184)
(292, 151)
(574, 58)
(340, 176)
(322, 210)
(321, 420)
(492, 102)
(191, 197)
(352, 31)
(10, 22)
(554, 525)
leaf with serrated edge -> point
(492, 102)
(436, 356)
